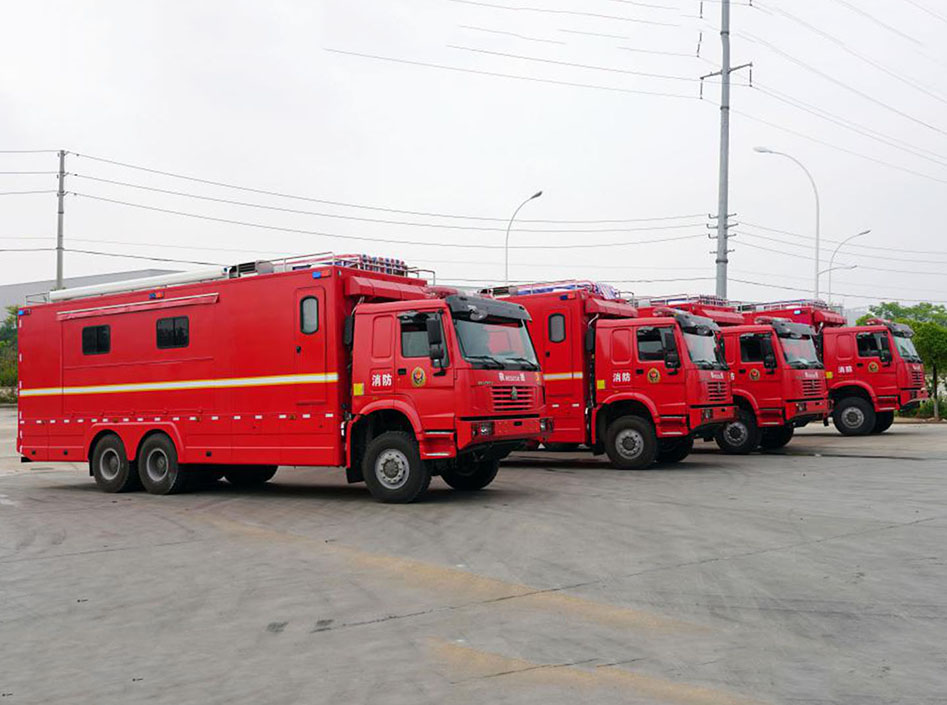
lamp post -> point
(835, 252)
(818, 212)
(506, 249)
(829, 272)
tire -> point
(674, 450)
(776, 438)
(741, 436)
(158, 466)
(854, 416)
(393, 470)
(631, 443)
(112, 470)
(561, 447)
(883, 422)
(249, 475)
(469, 476)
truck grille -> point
(813, 388)
(513, 398)
(917, 378)
(717, 392)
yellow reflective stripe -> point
(226, 383)
(557, 376)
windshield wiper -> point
(524, 361)
(495, 363)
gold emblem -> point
(654, 375)
(418, 377)
(754, 374)
(873, 366)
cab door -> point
(428, 389)
(874, 363)
(753, 377)
(664, 384)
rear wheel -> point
(470, 475)
(249, 475)
(854, 416)
(776, 438)
(158, 466)
(674, 450)
(883, 421)
(631, 443)
(393, 470)
(112, 470)
(740, 436)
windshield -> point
(498, 343)
(800, 351)
(704, 350)
(906, 349)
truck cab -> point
(778, 384)
(638, 389)
(872, 370)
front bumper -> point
(804, 411)
(912, 397)
(705, 418)
(501, 430)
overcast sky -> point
(257, 94)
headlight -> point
(483, 428)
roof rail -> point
(679, 299)
(606, 291)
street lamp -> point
(818, 214)
(835, 252)
(506, 267)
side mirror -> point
(348, 331)
(769, 361)
(436, 353)
(885, 356)
(672, 359)
(434, 334)
(590, 340)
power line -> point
(865, 267)
(867, 15)
(375, 220)
(922, 8)
(510, 34)
(887, 258)
(851, 296)
(646, 4)
(573, 13)
(153, 259)
(841, 84)
(29, 249)
(29, 151)
(339, 236)
(309, 199)
(28, 173)
(834, 242)
(495, 74)
(570, 64)
(24, 193)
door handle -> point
(743, 371)
(639, 372)
(402, 371)
(859, 364)
(299, 348)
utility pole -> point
(723, 200)
(62, 211)
(723, 204)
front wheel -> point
(854, 416)
(883, 421)
(393, 470)
(631, 443)
(776, 438)
(469, 475)
(674, 450)
(740, 436)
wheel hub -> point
(737, 433)
(392, 469)
(630, 444)
(156, 465)
(853, 417)
(109, 465)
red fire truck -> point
(638, 389)
(873, 370)
(778, 380)
(326, 360)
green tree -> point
(894, 311)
